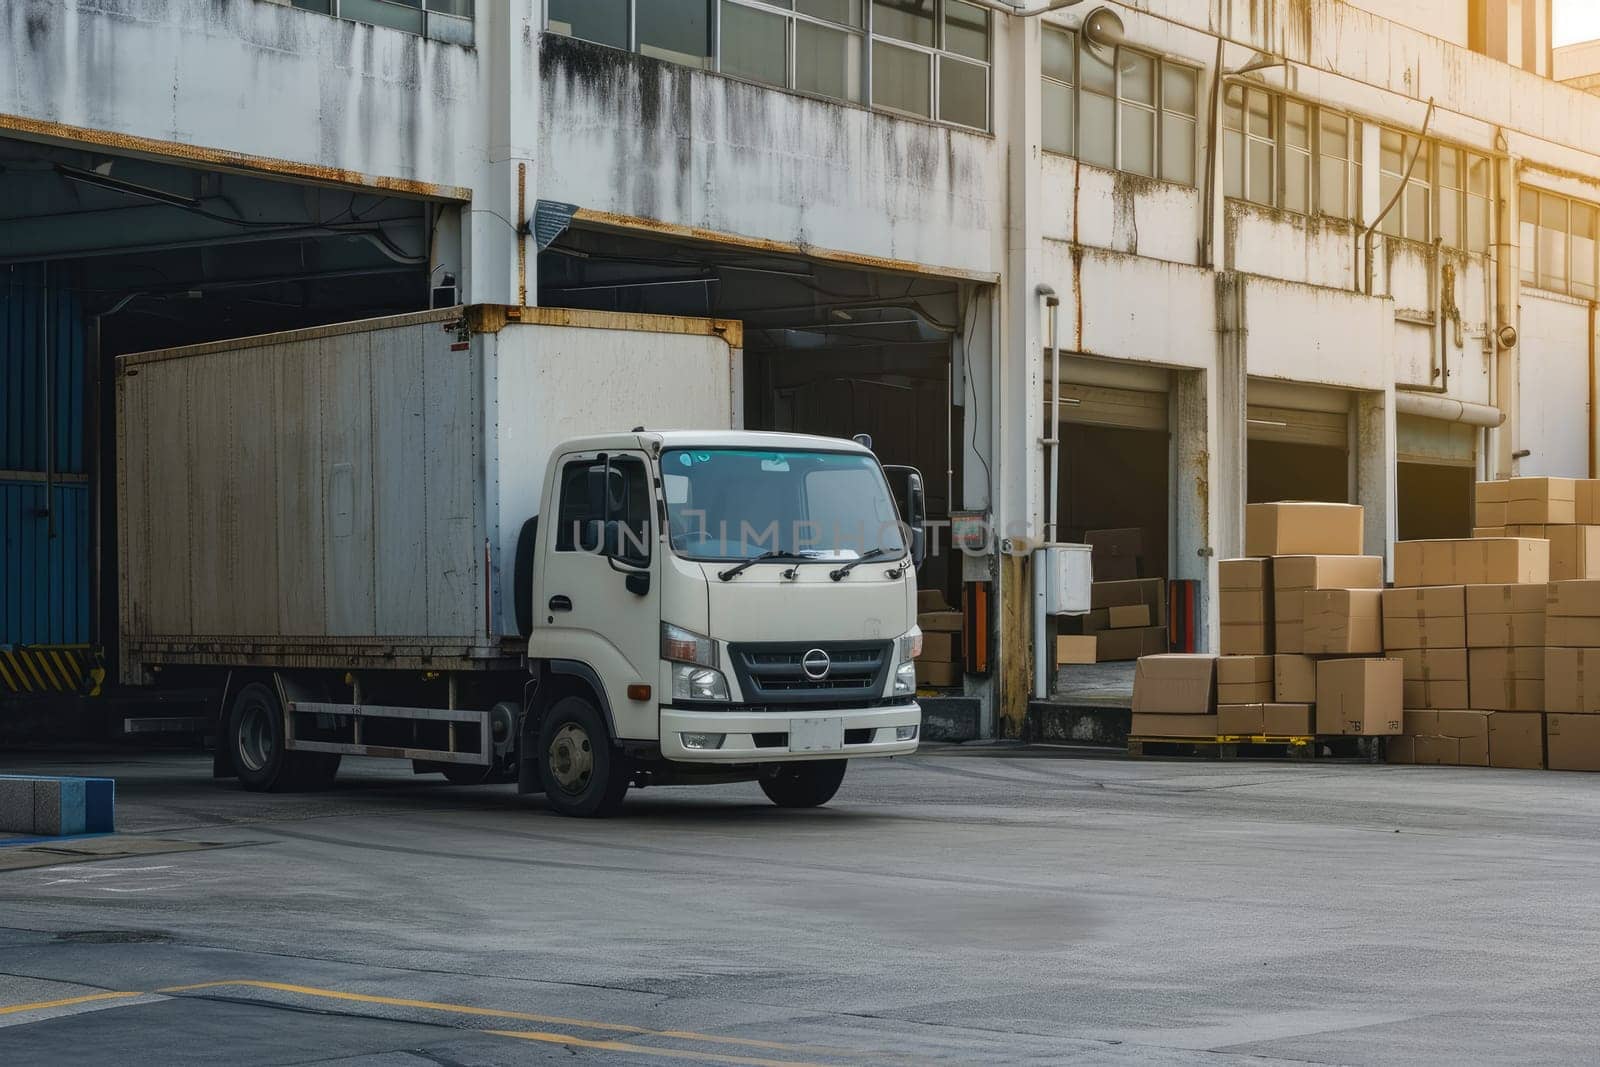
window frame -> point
(866, 36)
(1350, 163)
(1428, 171)
(1158, 109)
(566, 532)
(1531, 271)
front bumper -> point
(741, 730)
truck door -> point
(596, 593)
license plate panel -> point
(816, 735)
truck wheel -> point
(583, 774)
(255, 737)
(802, 785)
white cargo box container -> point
(331, 496)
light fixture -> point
(1103, 32)
(117, 185)
(1261, 61)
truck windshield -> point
(731, 504)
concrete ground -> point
(942, 909)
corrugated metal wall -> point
(44, 576)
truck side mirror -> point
(906, 485)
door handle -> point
(560, 602)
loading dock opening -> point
(103, 253)
(829, 349)
(1298, 444)
(1436, 468)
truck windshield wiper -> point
(839, 573)
(778, 553)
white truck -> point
(405, 538)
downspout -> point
(1208, 224)
(1405, 179)
(1590, 419)
(1041, 644)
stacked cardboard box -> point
(1117, 555)
(1563, 511)
(1127, 619)
(1246, 702)
(1572, 675)
(1245, 606)
(939, 666)
(1465, 619)
(1175, 696)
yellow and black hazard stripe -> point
(51, 669)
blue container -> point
(44, 556)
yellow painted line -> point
(495, 1013)
(644, 1050)
(42, 1005)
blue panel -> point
(44, 580)
(36, 319)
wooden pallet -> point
(1231, 747)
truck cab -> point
(716, 606)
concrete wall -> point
(245, 77)
(659, 142)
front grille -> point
(776, 673)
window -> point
(605, 507)
(931, 58)
(1558, 243)
(1411, 216)
(1122, 109)
(1285, 153)
(1463, 199)
(409, 15)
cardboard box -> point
(1449, 738)
(1246, 639)
(1491, 492)
(1572, 742)
(931, 600)
(1244, 680)
(1552, 501)
(1574, 552)
(1489, 531)
(1477, 561)
(1401, 750)
(1294, 679)
(1116, 646)
(1564, 631)
(1425, 617)
(1491, 515)
(1538, 531)
(1265, 720)
(1572, 680)
(1516, 740)
(1343, 621)
(1245, 606)
(1115, 554)
(941, 646)
(939, 621)
(1587, 510)
(1435, 678)
(1076, 648)
(1125, 616)
(1505, 616)
(1303, 529)
(1149, 591)
(1360, 697)
(1148, 724)
(1293, 575)
(1506, 679)
(1574, 599)
(1175, 685)
(940, 675)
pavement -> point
(943, 909)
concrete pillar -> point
(1020, 393)
(1202, 491)
(1374, 450)
(500, 264)
(1508, 312)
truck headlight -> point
(690, 682)
(911, 643)
(686, 646)
(905, 678)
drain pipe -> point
(1041, 643)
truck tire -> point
(583, 773)
(802, 785)
(255, 740)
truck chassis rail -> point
(358, 715)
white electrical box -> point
(1067, 577)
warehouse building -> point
(1296, 249)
